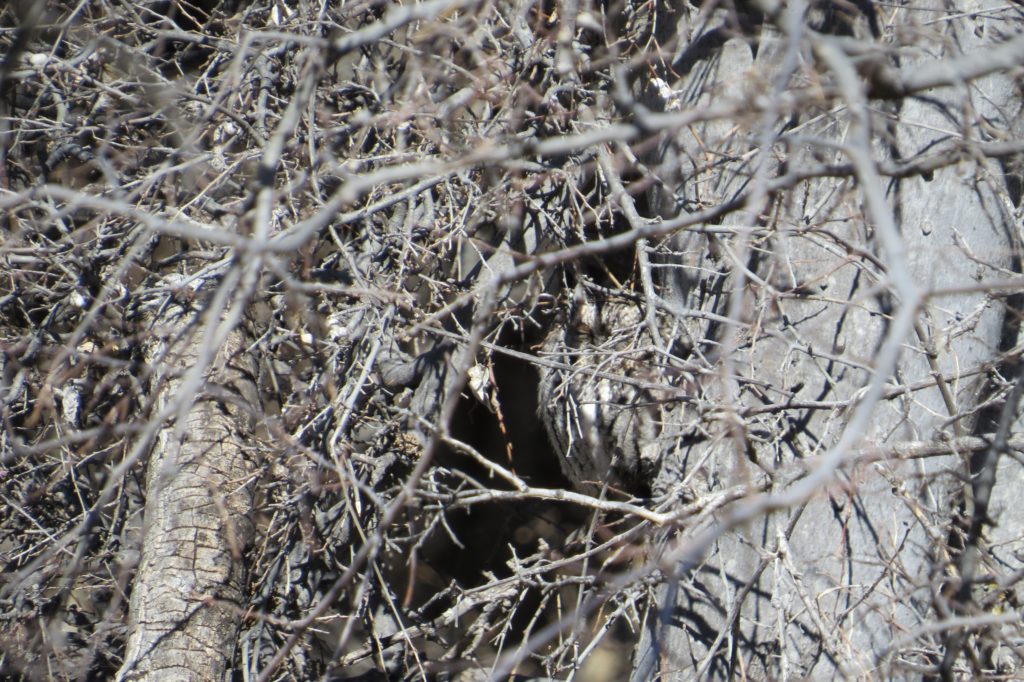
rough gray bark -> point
(830, 585)
(188, 594)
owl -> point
(593, 396)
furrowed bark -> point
(188, 592)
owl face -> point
(595, 414)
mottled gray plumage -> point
(597, 418)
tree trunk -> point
(189, 589)
(832, 579)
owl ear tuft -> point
(585, 313)
(577, 301)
